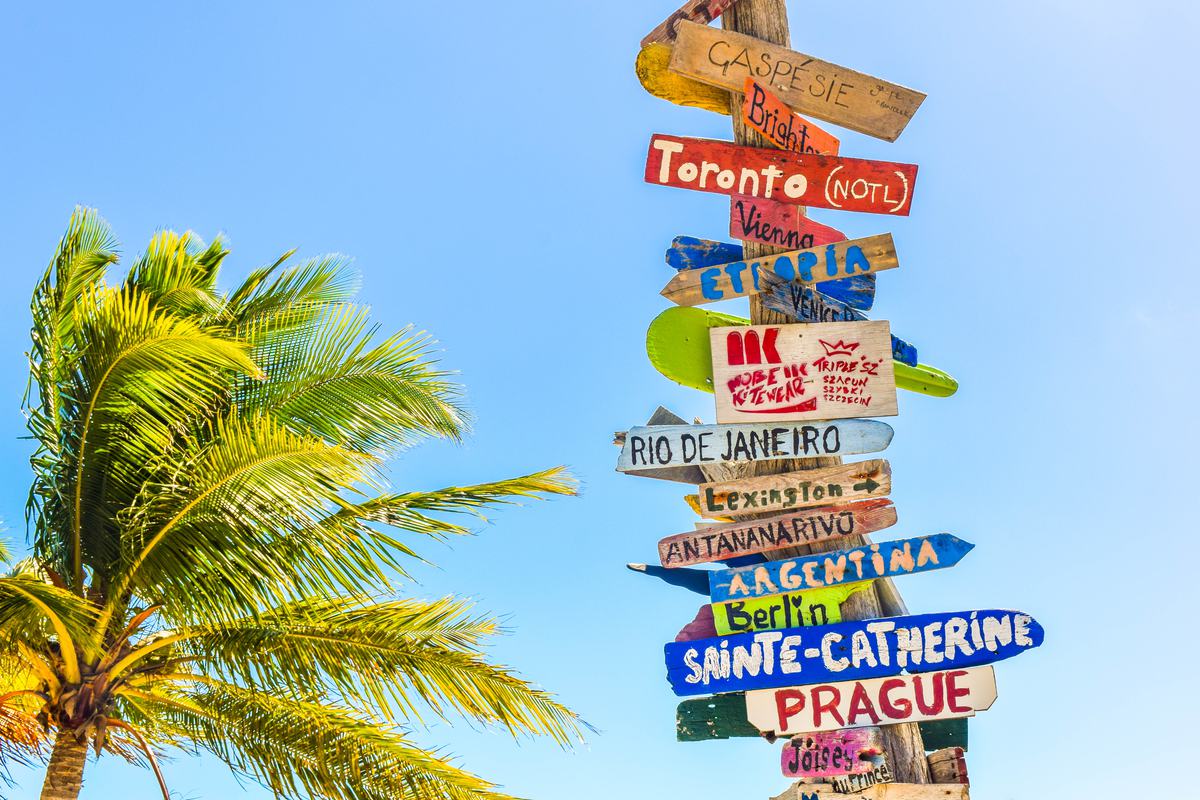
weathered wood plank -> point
(948, 765)
(808, 85)
(877, 791)
(698, 11)
(810, 265)
(694, 580)
(823, 755)
(702, 627)
(821, 371)
(868, 562)
(788, 610)
(720, 167)
(859, 480)
(778, 224)
(849, 784)
(659, 447)
(944, 733)
(951, 692)
(722, 716)
(657, 79)
(681, 473)
(765, 534)
(782, 127)
(858, 650)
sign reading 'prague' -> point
(849, 651)
(850, 184)
(801, 372)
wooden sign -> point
(858, 480)
(782, 127)
(944, 733)
(687, 252)
(878, 701)
(677, 343)
(657, 79)
(848, 651)
(695, 580)
(790, 610)
(800, 372)
(806, 84)
(823, 755)
(761, 535)
(877, 791)
(811, 265)
(948, 765)
(847, 184)
(668, 446)
(862, 781)
(701, 627)
(777, 224)
(878, 560)
(699, 11)
(663, 417)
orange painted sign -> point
(782, 127)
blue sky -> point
(486, 175)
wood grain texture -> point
(806, 266)
(879, 791)
(859, 782)
(698, 11)
(681, 473)
(859, 480)
(720, 167)
(948, 765)
(657, 79)
(823, 755)
(853, 703)
(782, 127)
(805, 609)
(854, 650)
(767, 534)
(808, 85)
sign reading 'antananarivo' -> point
(944, 694)
(842, 96)
(825, 754)
(868, 562)
(665, 446)
(849, 651)
(799, 372)
(858, 480)
(720, 542)
(849, 184)
(782, 127)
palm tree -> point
(215, 554)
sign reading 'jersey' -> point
(803, 372)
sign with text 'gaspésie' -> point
(815, 371)
(860, 650)
(849, 184)
(945, 694)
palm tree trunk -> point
(64, 775)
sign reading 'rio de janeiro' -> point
(664, 446)
(858, 480)
(849, 184)
(879, 560)
(799, 372)
(948, 694)
(859, 650)
(720, 542)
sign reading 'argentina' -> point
(849, 651)
(880, 560)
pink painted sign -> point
(780, 224)
(851, 751)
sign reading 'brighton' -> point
(879, 560)
(859, 650)
(849, 184)
(799, 372)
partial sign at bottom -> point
(879, 791)
(879, 701)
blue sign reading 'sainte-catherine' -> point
(849, 651)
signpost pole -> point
(767, 20)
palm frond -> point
(33, 611)
(178, 272)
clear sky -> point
(483, 162)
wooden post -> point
(767, 20)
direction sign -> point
(782, 127)
(790, 610)
(699, 11)
(702, 627)
(811, 265)
(868, 562)
(857, 480)
(657, 79)
(777, 224)
(808, 85)
(823, 755)
(943, 694)
(848, 184)
(848, 651)
(668, 446)
(828, 370)
(840, 789)
(761, 535)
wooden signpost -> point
(847, 184)
(667, 446)
(920, 696)
(859, 480)
(699, 11)
(808, 85)
(789, 610)
(811, 265)
(779, 224)
(879, 560)
(782, 127)
(948, 765)
(823, 755)
(857, 650)
(762, 535)
(799, 372)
